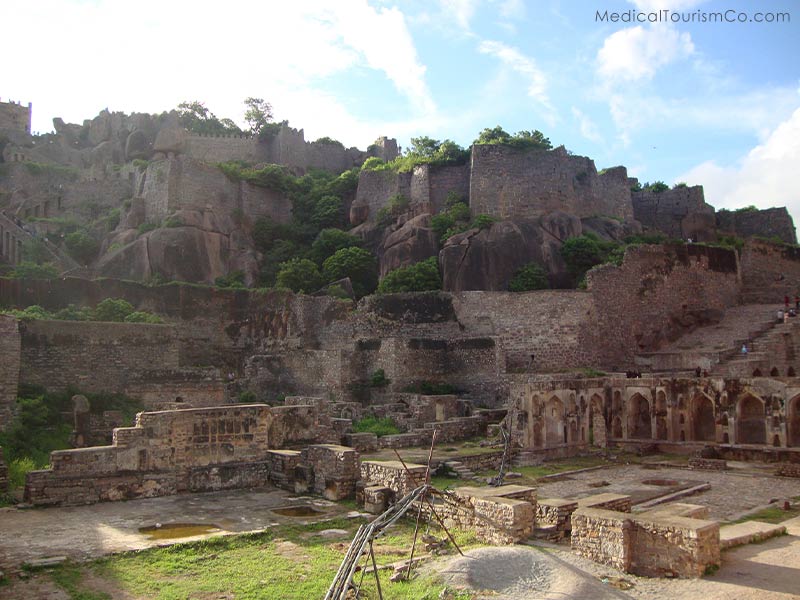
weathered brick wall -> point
(223, 148)
(15, 116)
(375, 188)
(9, 367)
(766, 222)
(336, 470)
(789, 470)
(510, 183)
(94, 356)
(654, 296)
(769, 271)
(679, 213)
(393, 475)
(556, 512)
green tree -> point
(31, 270)
(424, 147)
(258, 114)
(419, 277)
(530, 277)
(194, 116)
(299, 275)
(328, 212)
(656, 187)
(113, 309)
(141, 316)
(357, 264)
(522, 139)
(81, 247)
(329, 241)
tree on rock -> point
(299, 275)
(258, 114)
(357, 264)
(420, 277)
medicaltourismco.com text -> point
(697, 16)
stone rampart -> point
(767, 222)
(769, 272)
(516, 184)
(679, 213)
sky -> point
(709, 103)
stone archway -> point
(639, 424)
(703, 427)
(793, 421)
(752, 428)
(554, 422)
(538, 440)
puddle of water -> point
(297, 511)
(170, 531)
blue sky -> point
(716, 104)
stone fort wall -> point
(767, 222)
(769, 272)
(9, 367)
(15, 116)
(680, 213)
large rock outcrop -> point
(412, 242)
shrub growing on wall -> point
(299, 275)
(357, 264)
(530, 277)
(419, 277)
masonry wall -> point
(767, 222)
(510, 183)
(769, 272)
(375, 189)
(218, 148)
(674, 546)
(679, 212)
(9, 367)
(15, 116)
(94, 356)
(658, 293)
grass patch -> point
(531, 474)
(251, 566)
(380, 427)
(772, 514)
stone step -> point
(748, 532)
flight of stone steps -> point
(716, 344)
(459, 469)
(759, 355)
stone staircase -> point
(713, 345)
(18, 231)
(760, 355)
(459, 469)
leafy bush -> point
(73, 313)
(141, 316)
(747, 209)
(530, 277)
(29, 270)
(373, 163)
(357, 264)
(30, 313)
(299, 275)
(419, 277)
(81, 247)
(379, 379)
(483, 221)
(656, 187)
(329, 212)
(35, 251)
(145, 227)
(247, 397)
(234, 279)
(380, 427)
(584, 252)
(432, 388)
(113, 309)
(173, 221)
(329, 241)
(18, 469)
(524, 140)
(140, 163)
(397, 205)
(329, 141)
(337, 291)
(646, 238)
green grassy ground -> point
(289, 562)
(773, 514)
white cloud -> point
(588, 128)
(460, 10)
(638, 52)
(654, 5)
(527, 67)
(766, 176)
(162, 53)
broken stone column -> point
(81, 434)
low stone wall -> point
(655, 544)
(789, 470)
(674, 547)
(504, 515)
(363, 442)
(393, 475)
(603, 536)
(481, 462)
(336, 470)
(459, 428)
(556, 512)
(418, 437)
(616, 502)
(708, 464)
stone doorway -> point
(752, 427)
(639, 423)
(704, 429)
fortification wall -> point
(769, 272)
(223, 148)
(510, 183)
(768, 222)
(94, 356)
(658, 293)
(9, 367)
(15, 116)
(679, 213)
(375, 188)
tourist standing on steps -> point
(786, 302)
(744, 349)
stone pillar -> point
(83, 428)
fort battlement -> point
(15, 116)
